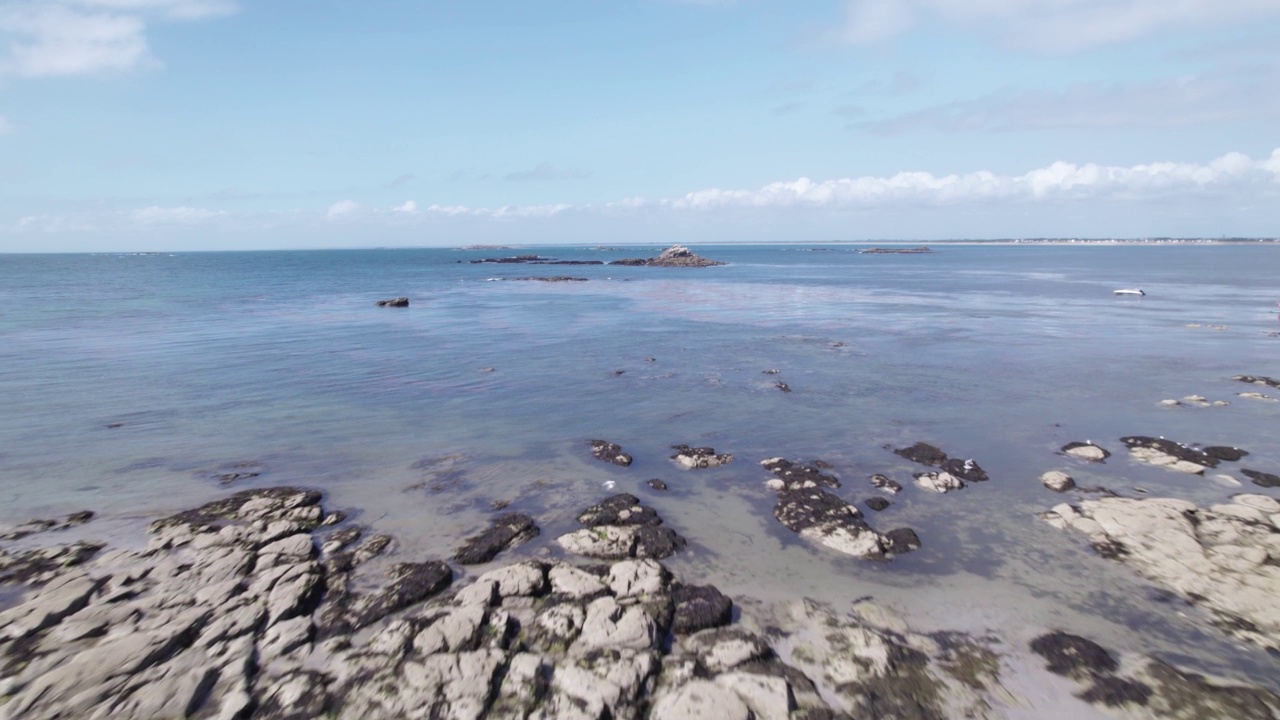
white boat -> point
(1129, 291)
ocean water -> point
(130, 383)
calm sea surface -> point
(130, 383)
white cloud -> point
(342, 208)
(49, 38)
(5, 126)
(1232, 193)
(1058, 181)
(175, 215)
(409, 206)
(1049, 25)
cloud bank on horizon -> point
(208, 124)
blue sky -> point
(230, 124)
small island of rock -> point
(674, 256)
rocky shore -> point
(267, 604)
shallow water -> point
(419, 419)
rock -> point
(657, 484)
(623, 509)
(796, 476)
(1256, 396)
(872, 665)
(877, 503)
(884, 483)
(524, 579)
(769, 698)
(455, 631)
(503, 532)
(632, 578)
(1073, 656)
(399, 302)
(613, 542)
(610, 625)
(1220, 558)
(1261, 479)
(721, 649)
(610, 452)
(674, 256)
(901, 540)
(410, 583)
(574, 583)
(690, 458)
(940, 482)
(823, 518)
(698, 607)
(701, 700)
(922, 453)
(40, 565)
(1057, 481)
(1168, 454)
(1086, 451)
(1258, 380)
(782, 386)
(32, 527)
(1224, 454)
(926, 454)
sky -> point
(132, 125)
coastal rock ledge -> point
(1224, 558)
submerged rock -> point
(1224, 558)
(691, 458)
(504, 531)
(657, 484)
(610, 452)
(877, 503)
(399, 302)
(1261, 479)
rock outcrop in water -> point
(610, 452)
(505, 531)
(1086, 451)
(1224, 558)
(953, 473)
(691, 458)
(400, 302)
(674, 256)
(806, 508)
(1176, 456)
(620, 527)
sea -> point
(137, 385)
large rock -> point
(674, 256)
(610, 452)
(797, 476)
(1224, 558)
(926, 454)
(823, 518)
(1176, 456)
(1086, 451)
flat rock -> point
(1086, 451)
(701, 700)
(1225, 559)
(823, 518)
(1261, 479)
(621, 509)
(883, 482)
(926, 454)
(1057, 481)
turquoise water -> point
(128, 383)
